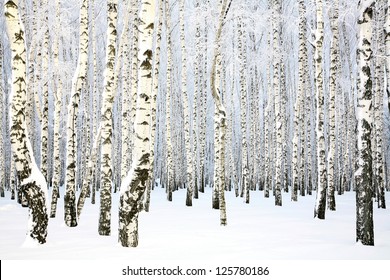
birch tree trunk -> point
(32, 182)
(220, 117)
(197, 91)
(243, 102)
(299, 102)
(32, 85)
(278, 103)
(134, 185)
(57, 118)
(363, 174)
(333, 92)
(45, 95)
(186, 105)
(378, 109)
(319, 211)
(126, 94)
(387, 39)
(2, 132)
(153, 103)
(169, 151)
(106, 175)
(71, 151)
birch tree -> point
(220, 116)
(169, 150)
(2, 157)
(186, 105)
(319, 210)
(106, 176)
(278, 102)
(197, 91)
(57, 116)
(45, 94)
(243, 103)
(387, 40)
(32, 182)
(126, 95)
(363, 174)
(333, 91)
(153, 101)
(71, 151)
(299, 102)
(134, 185)
(378, 115)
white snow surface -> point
(172, 231)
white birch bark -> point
(333, 92)
(319, 211)
(106, 175)
(95, 100)
(169, 151)
(220, 117)
(186, 105)
(153, 102)
(134, 185)
(32, 182)
(387, 41)
(363, 174)
(197, 91)
(2, 132)
(57, 117)
(126, 95)
(33, 65)
(299, 126)
(134, 68)
(77, 85)
(202, 112)
(308, 145)
(278, 102)
(243, 102)
(268, 126)
(45, 94)
(378, 109)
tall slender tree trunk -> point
(243, 102)
(106, 175)
(363, 174)
(220, 117)
(197, 91)
(319, 211)
(2, 131)
(378, 108)
(57, 118)
(45, 95)
(278, 102)
(71, 152)
(126, 94)
(134, 185)
(32, 182)
(333, 92)
(186, 105)
(153, 103)
(299, 103)
(387, 40)
(169, 150)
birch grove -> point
(114, 100)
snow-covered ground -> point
(172, 231)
